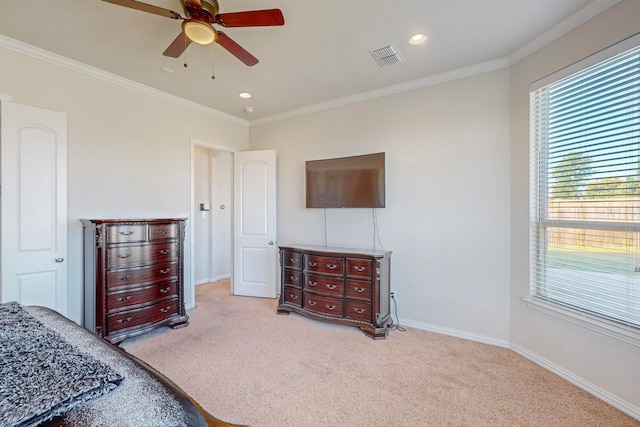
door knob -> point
(59, 259)
(271, 242)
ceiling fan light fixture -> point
(199, 32)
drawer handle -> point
(121, 321)
(121, 299)
(293, 278)
(164, 251)
(127, 277)
(166, 309)
(358, 268)
(293, 296)
(313, 264)
(332, 266)
(161, 231)
(359, 310)
(312, 303)
(292, 260)
(165, 270)
(123, 256)
(332, 287)
(126, 233)
(359, 290)
(165, 290)
(312, 283)
(330, 307)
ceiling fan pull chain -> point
(185, 52)
(213, 63)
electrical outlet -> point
(393, 294)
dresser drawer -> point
(292, 277)
(149, 294)
(329, 265)
(331, 286)
(125, 233)
(163, 231)
(293, 296)
(359, 289)
(359, 310)
(359, 267)
(138, 276)
(131, 255)
(150, 314)
(324, 305)
(292, 259)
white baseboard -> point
(455, 333)
(213, 279)
(596, 391)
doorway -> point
(234, 214)
(211, 213)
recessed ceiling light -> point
(417, 39)
(245, 95)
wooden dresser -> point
(339, 285)
(133, 276)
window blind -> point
(585, 195)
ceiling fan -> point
(198, 24)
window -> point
(585, 187)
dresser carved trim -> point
(338, 285)
(133, 276)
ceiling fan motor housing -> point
(206, 13)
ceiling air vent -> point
(387, 55)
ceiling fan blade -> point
(236, 50)
(252, 18)
(178, 46)
(146, 8)
(194, 3)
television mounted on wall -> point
(346, 182)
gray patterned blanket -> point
(41, 374)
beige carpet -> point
(246, 364)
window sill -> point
(623, 333)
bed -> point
(56, 373)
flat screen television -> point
(346, 182)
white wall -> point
(129, 153)
(447, 196)
(603, 365)
(221, 214)
(213, 178)
(202, 221)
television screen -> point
(346, 182)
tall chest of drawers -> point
(133, 276)
(338, 285)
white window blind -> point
(585, 196)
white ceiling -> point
(319, 56)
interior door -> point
(255, 254)
(34, 206)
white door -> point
(34, 206)
(255, 254)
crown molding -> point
(389, 90)
(562, 28)
(52, 58)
